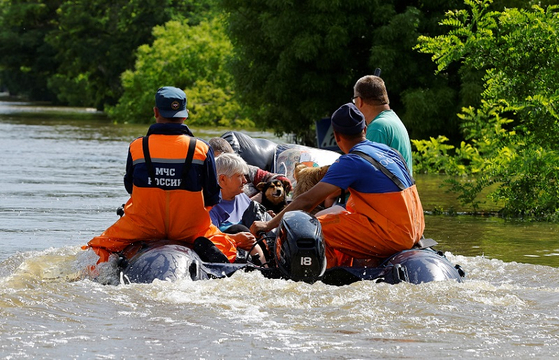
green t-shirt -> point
(387, 128)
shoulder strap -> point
(381, 167)
(188, 160)
(147, 158)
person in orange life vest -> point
(383, 214)
(171, 194)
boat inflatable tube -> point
(257, 152)
(415, 266)
(299, 256)
(165, 262)
(172, 262)
(177, 262)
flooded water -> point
(61, 183)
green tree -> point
(77, 49)
(97, 40)
(297, 61)
(427, 103)
(515, 129)
(188, 57)
(26, 60)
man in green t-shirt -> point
(383, 125)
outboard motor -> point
(299, 249)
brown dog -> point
(273, 194)
(307, 177)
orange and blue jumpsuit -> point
(380, 218)
(164, 202)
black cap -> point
(348, 120)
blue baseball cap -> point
(171, 102)
(348, 120)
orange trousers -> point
(351, 235)
(131, 228)
(394, 222)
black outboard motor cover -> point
(257, 152)
(299, 249)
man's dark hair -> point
(352, 137)
(372, 90)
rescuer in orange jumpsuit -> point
(383, 214)
(172, 181)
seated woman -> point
(236, 211)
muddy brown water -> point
(61, 183)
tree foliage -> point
(189, 57)
(96, 41)
(77, 49)
(515, 129)
(298, 61)
(26, 60)
(294, 62)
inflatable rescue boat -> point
(297, 251)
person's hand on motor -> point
(259, 227)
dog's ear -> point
(298, 168)
(261, 185)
